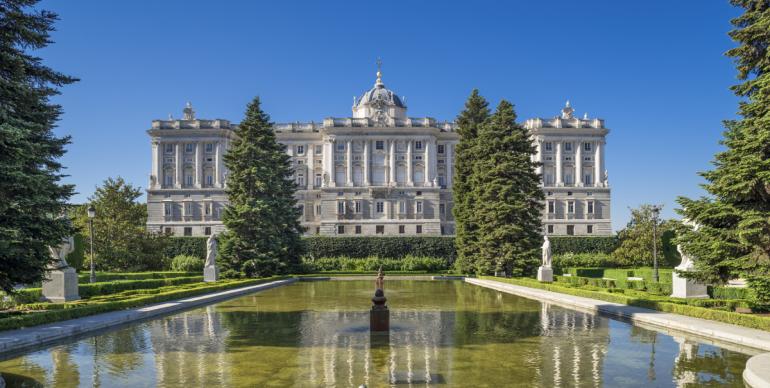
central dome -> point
(379, 103)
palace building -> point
(378, 172)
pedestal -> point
(379, 319)
(61, 286)
(545, 274)
(686, 288)
(210, 274)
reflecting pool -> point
(316, 334)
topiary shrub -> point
(759, 291)
(186, 263)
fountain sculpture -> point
(379, 316)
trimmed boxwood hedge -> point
(686, 307)
(190, 246)
(386, 247)
(583, 244)
(83, 277)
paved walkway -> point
(724, 332)
(13, 341)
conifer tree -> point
(476, 112)
(508, 197)
(262, 219)
(32, 197)
(731, 236)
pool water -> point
(316, 334)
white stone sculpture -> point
(545, 272)
(61, 283)
(683, 287)
(210, 270)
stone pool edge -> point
(717, 331)
(14, 341)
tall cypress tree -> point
(468, 122)
(262, 219)
(32, 198)
(733, 234)
(508, 197)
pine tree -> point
(262, 219)
(32, 198)
(732, 236)
(476, 112)
(508, 198)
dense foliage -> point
(466, 152)
(385, 247)
(190, 246)
(636, 240)
(32, 197)
(262, 218)
(566, 260)
(186, 263)
(508, 199)
(729, 232)
(121, 241)
(370, 264)
(583, 244)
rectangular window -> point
(188, 231)
(318, 180)
(380, 207)
(207, 208)
(340, 207)
(418, 145)
(318, 210)
(319, 150)
(209, 147)
(358, 229)
(418, 229)
(301, 180)
(548, 146)
(188, 148)
(169, 148)
(442, 209)
(570, 230)
(379, 145)
(209, 180)
(589, 229)
(418, 207)
(340, 146)
(568, 146)
(550, 229)
(357, 207)
(401, 229)
(401, 207)
(590, 207)
(207, 231)
(551, 207)
(380, 229)
(568, 179)
(188, 209)
(571, 207)
(168, 209)
(300, 150)
(189, 180)
(440, 148)
(340, 229)
(587, 179)
(587, 146)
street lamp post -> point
(91, 215)
(655, 213)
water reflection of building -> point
(573, 347)
(336, 349)
(190, 349)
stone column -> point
(449, 165)
(218, 164)
(349, 163)
(366, 163)
(579, 164)
(598, 164)
(392, 162)
(199, 165)
(559, 177)
(539, 156)
(310, 174)
(178, 165)
(409, 161)
(428, 164)
(330, 160)
(157, 163)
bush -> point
(759, 291)
(77, 257)
(717, 292)
(370, 264)
(186, 263)
(385, 247)
(565, 260)
(189, 246)
(573, 244)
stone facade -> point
(378, 172)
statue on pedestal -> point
(379, 316)
(683, 287)
(545, 272)
(61, 283)
(210, 270)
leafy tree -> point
(466, 232)
(121, 242)
(635, 248)
(262, 219)
(732, 236)
(508, 197)
(32, 197)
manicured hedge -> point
(386, 247)
(190, 246)
(717, 292)
(84, 277)
(594, 260)
(370, 264)
(130, 299)
(582, 244)
(688, 307)
(664, 289)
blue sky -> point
(654, 70)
